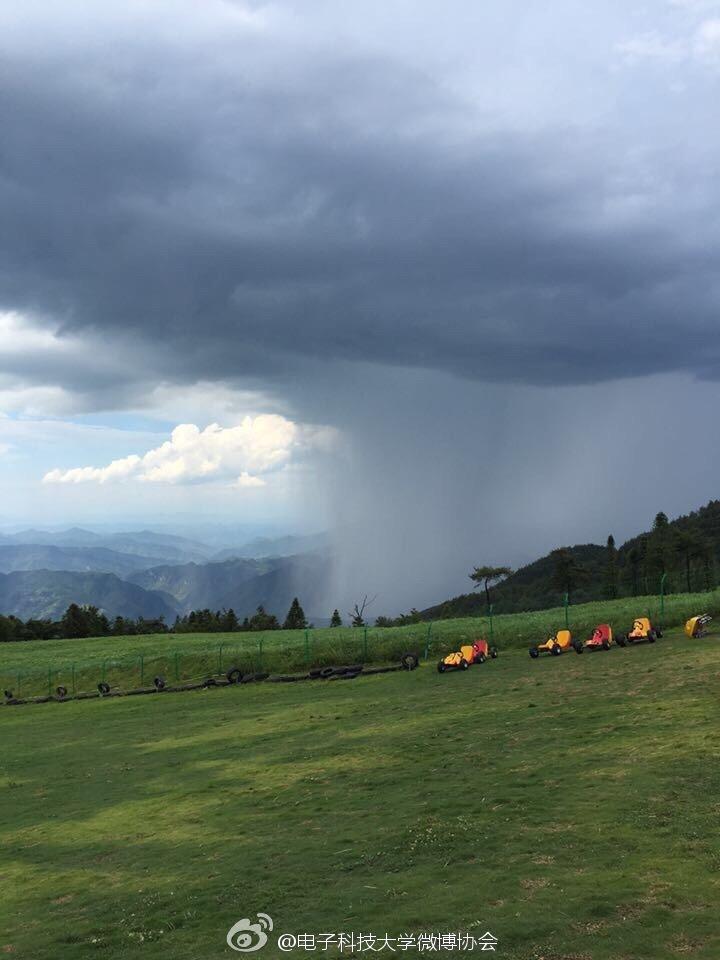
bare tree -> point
(357, 614)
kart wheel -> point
(409, 661)
(605, 645)
(464, 664)
(556, 650)
(578, 647)
(621, 641)
(234, 675)
(658, 634)
(493, 652)
(652, 637)
(480, 658)
(442, 666)
(534, 653)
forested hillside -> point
(686, 550)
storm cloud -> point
(239, 199)
(415, 225)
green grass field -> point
(569, 806)
(37, 668)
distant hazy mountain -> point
(85, 559)
(244, 584)
(288, 546)
(164, 547)
(48, 593)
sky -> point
(442, 279)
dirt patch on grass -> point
(685, 946)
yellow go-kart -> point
(695, 627)
(477, 652)
(555, 645)
(642, 632)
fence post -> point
(663, 578)
(17, 685)
(220, 651)
(427, 641)
(260, 656)
(365, 646)
(307, 646)
(490, 615)
(566, 601)
(142, 669)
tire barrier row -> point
(233, 677)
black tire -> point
(658, 634)
(9, 695)
(493, 653)
(480, 658)
(464, 664)
(260, 676)
(210, 682)
(441, 668)
(103, 688)
(556, 649)
(652, 637)
(326, 673)
(314, 674)
(578, 647)
(605, 645)
(534, 652)
(409, 661)
(159, 683)
(621, 641)
(234, 675)
(61, 691)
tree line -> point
(81, 621)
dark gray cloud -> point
(482, 241)
(242, 202)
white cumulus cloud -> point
(256, 446)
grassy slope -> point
(569, 805)
(24, 666)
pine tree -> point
(336, 619)
(634, 560)
(295, 619)
(229, 621)
(486, 575)
(74, 623)
(569, 573)
(611, 570)
(262, 620)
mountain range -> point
(151, 575)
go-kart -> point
(642, 632)
(482, 651)
(554, 645)
(695, 627)
(601, 639)
(477, 652)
